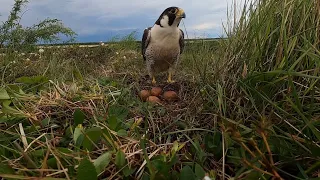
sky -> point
(102, 20)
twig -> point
(23, 136)
(223, 156)
(270, 155)
(26, 149)
(58, 160)
(25, 155)
(256, 168)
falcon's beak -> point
(181, 13)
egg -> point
(156, 91)
(144, 94)
(170, 96)
(153, 99)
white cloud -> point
(89, 17)
(205, 26)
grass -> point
(248, 106)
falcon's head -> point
(171, 17)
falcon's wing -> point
(181, 41)
(145, 41)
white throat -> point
(164, 22)
(159, 33)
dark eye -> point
(173, 11)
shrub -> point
(14, 35)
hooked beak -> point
(181, 13)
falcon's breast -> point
(162, 49)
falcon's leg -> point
(151, 73)
(170, 72)
(153, 80)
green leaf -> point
(314, 149)
(78, 117)
(127, 171)
(200, 173)
(175, 146)
(64, 150)
(92, 135)
(197, 150)
(3, 94)
(4, 118)
(6, 108)
(16, 89)
(120, 159)
(122, 133)
(162, 168)
(173, 160)
(52, 162)
(38, 153)
(145, 176)
(102, 162)
(255, 175)
(213, 144)
(77, 74)
(45, 122)
(119, 112)
(6, 169)
(78, 135)
(113, 122)
(32, 80)
(86, 170)
(187, 173)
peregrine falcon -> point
(163, 43)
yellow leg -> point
(154, 80)
(170, 77)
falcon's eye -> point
(173, 11)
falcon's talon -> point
(153, 81)
(170, 77)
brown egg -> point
(153, 99)
(156, 91)
(144, 94)
(170, 96)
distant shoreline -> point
(94, 44)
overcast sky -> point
(100, 20)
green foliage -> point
(5, 169)
(3, 94)
(187, 173)
(10, 109)
(13, 35)
(78, 135)
(164, 163)
(126, 42)
(265, 88)
(34, 83)
(248, 108)
(102, 162)
(86, 170)
(78, 117)
(120, 159)
(91, 137)
(199, 172)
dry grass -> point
(248, 107)
(93, 80)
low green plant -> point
(248, 106)
(265, 90)
(14, 35)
